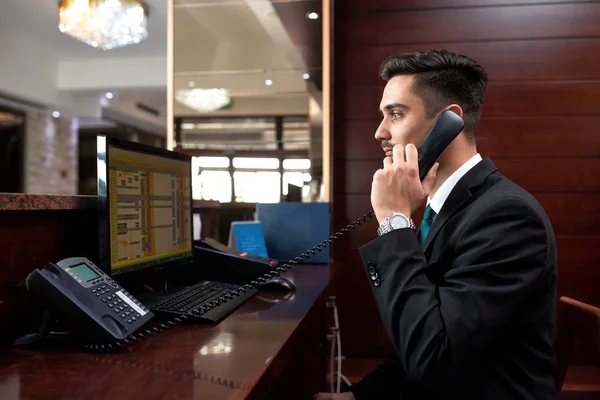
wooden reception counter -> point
(272, 347)
(40, 202)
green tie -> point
(426, 224)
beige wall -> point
(51, 160)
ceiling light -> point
(306, 76)
(268, 82)
(204, 100)
(191, 84)
(55, 114)
(109, 95)
(104, 23)
(312, 15)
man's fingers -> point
(323, 396)
(412, 159)
(387, 162)
(398, 152)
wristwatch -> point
(395, 221)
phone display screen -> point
(84, 272)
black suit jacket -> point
(471, 314)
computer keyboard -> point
(201, 301)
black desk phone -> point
(77, 291)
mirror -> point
(247, 98)
(247, 88)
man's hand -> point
(335, 396)
(396, 187)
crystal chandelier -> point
(204, 100)
(104, 23)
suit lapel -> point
(460, 194)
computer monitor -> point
(145, 207)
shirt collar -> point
(443, 192)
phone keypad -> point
(108, 296)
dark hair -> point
(443, 78)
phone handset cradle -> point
(76, 292)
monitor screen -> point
(145, 206)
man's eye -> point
(395, 115)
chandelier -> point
(204, 100)
(104, 23)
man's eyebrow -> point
(391, 106)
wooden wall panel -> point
(509, 137)
(540, 125)
(361, 6)
(464, 24)
(512, 60)
(571, 175)
(543, 98)
(502, 99)
(563, 175)
(539, 137)
(571, 214)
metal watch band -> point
(386, 226)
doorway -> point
(12, 127)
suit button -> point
(374, 276)
(377, 282)
(372, 270)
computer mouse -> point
(277, 284)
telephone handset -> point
(77, 291)
(444, 130)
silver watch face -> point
(399, 221)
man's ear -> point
(455, 108)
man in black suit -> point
(468, 300)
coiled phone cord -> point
(136, 337)
(133, 338)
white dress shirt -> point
(439, 198)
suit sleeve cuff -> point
(398, 237)
(384, 251)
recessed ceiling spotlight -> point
(109, 95)
(312, 15)
(306, 75)
(55, 114)
(268, 82)
(192, 83)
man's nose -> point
(382, 133)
